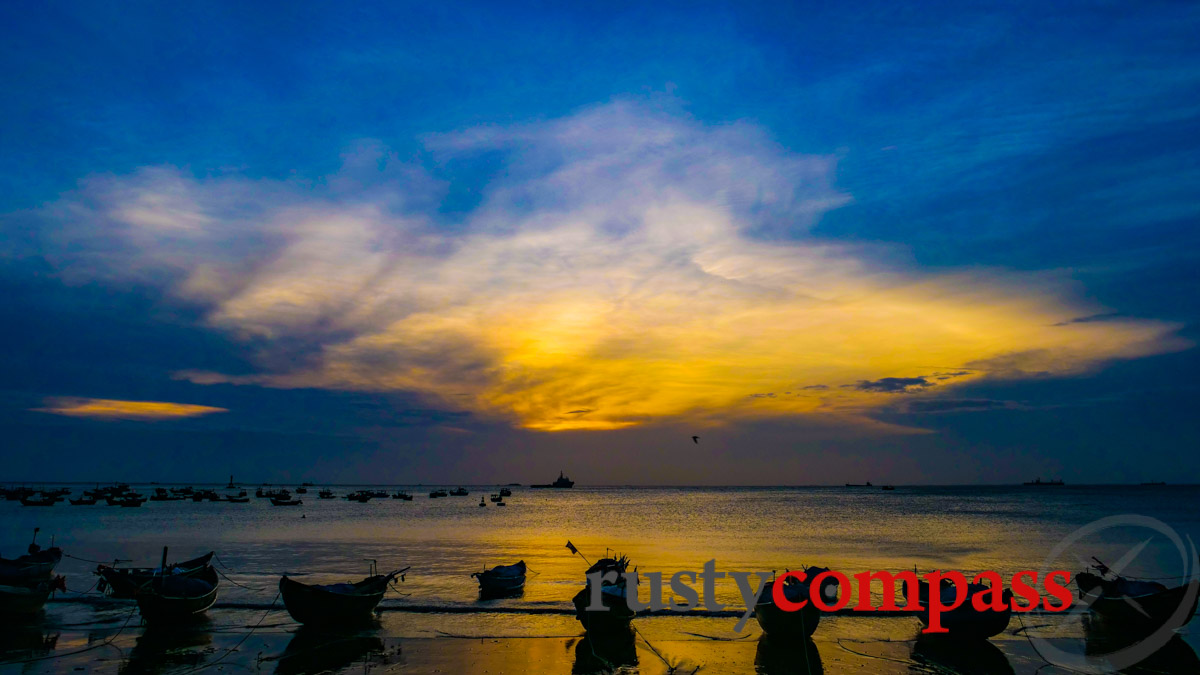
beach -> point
(434, 620)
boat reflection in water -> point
(162, 649)
(314, 650)
(949, 654)
(605, 652)
(29, 641)
(794, 656)
(1176, 656)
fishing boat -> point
(124, 582)
(360, 497)
(131, 502)
(403, 496)
(888, 487)
(1134, 606)
(496, 499)
(83, 501)
(170, 598)
(459, 492)
(43, 501)
(561, 482)
(36, 565)
(437, 493)
(335, 604)
(501, 580)
(866, 484)
(964, 621)
(618, 615)
(301, 490)
(236, 499)
(1048, 483)
(286, 501)
(28, 599)
(501, 503)
(326, 494)
(130, 499)
(780, 624)
(161, 495)
(505, 492)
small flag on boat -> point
(572, 547)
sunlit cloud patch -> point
(627, 266)
(113, 409)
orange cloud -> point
(113, 409)
(628, 267)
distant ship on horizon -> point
(1039, 481)
(562, 482)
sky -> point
(473, 243)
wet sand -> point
(107, 638)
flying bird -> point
(696, 440)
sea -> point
(1148, 530)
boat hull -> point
(29, 568)
(616, 619)
(124, 583)
(1138, 614)
(176, 599)
(311, 605)
(965, 621)
(20, 600)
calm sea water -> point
(1006, 529)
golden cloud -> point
(104, 408)
(629, 267)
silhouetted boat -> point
(403, 496)
(964, 621)
(28, 599)
(36, 565)
(866, 484)
(360, 497)
(83, 501)
(1134, 606)
(236, 500)
(335, 604)
(124, 582)
(618, 615)
(501, 579)
(282, 501)
(127, 500)
(888, 487)
(301, 490)
(437, 493)
(496, 498)
(44, 500)
(801, 623)
(505, 492)
(174, 598)
(459, 492)
(326, 494)
(561, 482)
(1048, 483)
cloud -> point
(892, 385)
(112, 409)
(938, 405)
(627, 261)
(1106, 316)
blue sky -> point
(318, 220)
